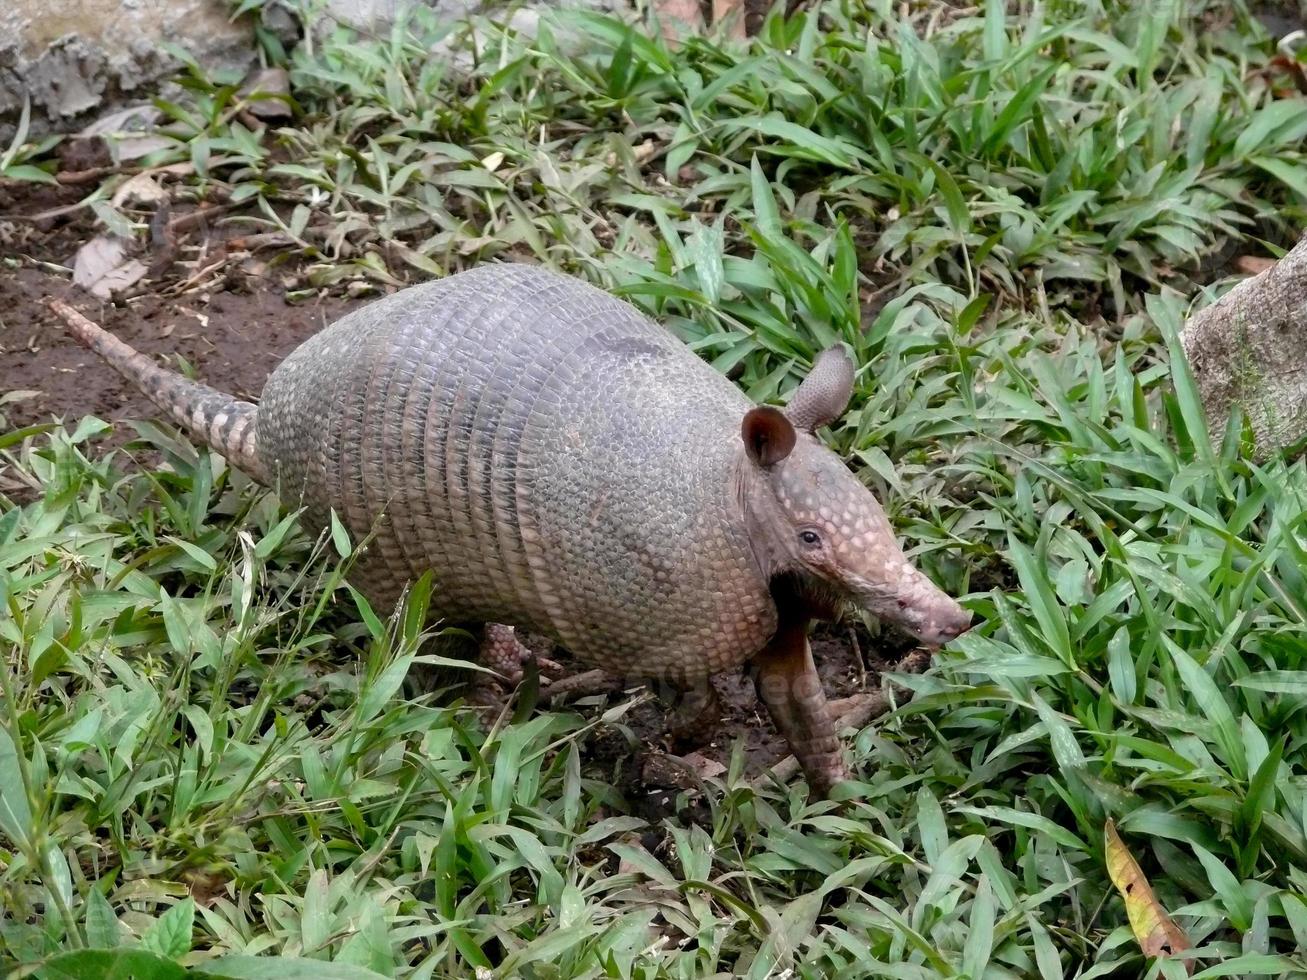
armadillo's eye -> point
(810, 538)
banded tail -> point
(218, 420)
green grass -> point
(1007, 217)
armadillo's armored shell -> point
(560, 462)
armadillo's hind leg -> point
(507, 656)
(501, 651)
(694, 714)
(212, 417)
(788, 684)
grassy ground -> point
(205, 746)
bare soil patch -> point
(233, 334)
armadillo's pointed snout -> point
(927, 612)
(950, 623)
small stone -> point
(268, 94)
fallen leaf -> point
(127, 274)
(1155, 931)
(136, 117)
(206, 887)
(174, 169)
(1289, 65)
(13, 486)
(135, 147)
(129, 132)
(97, 257)
(268, 94)
(1253, 264)
(101, 266)
(141, 189)
(703, 766)
(22, 395)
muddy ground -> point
(233, 325)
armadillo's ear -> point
(825, 392)
(768, 435)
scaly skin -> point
(563, 464)
(559, 461)
(787, 683)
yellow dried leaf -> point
(1155, 931)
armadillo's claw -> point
(550, 668)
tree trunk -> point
(1249, 350)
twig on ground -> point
(267, 239)
(198, 279)
(46, 215)
(91, 175)
(185, 222)
(858, 659)
(581, 685)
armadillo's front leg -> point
(787, 683)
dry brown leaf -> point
(173, 169)
(101, 266)
(703, 767)
(1155, 931)
(206, 887)
(140, 189)
(678, 18)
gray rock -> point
(378, 14)
(80, 61)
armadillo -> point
(563, 464)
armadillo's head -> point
(814, 524)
